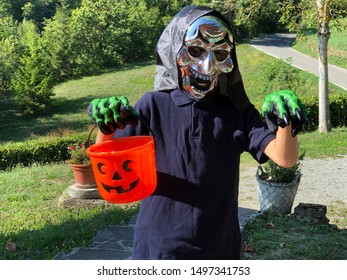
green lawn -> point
(283, 238)
(41, 228)
(71, 100)
(337, 47)
(254, 65)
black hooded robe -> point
(193, 213)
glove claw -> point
(286, 119)
(112, 113)
(283, 108)
(105, 129)
(298, 114)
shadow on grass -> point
(17, 127)
(45, 243)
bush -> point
(38, 151)
(338, 113)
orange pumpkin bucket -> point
(124, 168)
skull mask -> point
(204, 56)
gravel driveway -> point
(323, 181)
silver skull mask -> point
(204, 56)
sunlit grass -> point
(270, 237)
(32, 218)
(337, 46)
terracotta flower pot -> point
(84, 176)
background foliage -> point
(44, 42)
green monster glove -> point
(283, 107)
(112, 113)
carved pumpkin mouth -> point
(120, 189)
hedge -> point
(338, 111)
(56, 150)
(38, 151)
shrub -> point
(38, 151)
(338, 113)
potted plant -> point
(81, 166)
(277, 186)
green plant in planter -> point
(78, 151)
(78, 154)
(270, 171)
(277, 186)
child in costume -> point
(202, 121)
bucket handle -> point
(138, 116)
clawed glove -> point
(282, 108)
(112, 113)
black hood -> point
(170, 43)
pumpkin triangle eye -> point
(116, 176)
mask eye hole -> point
(221, 55)
(195, 51)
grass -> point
(32, 218)
(30, 214)
(270, 237)
(71, 100)
(337, 46)
(258, 86)
(318, 145)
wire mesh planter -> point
(277, 198)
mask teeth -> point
(200, 76)
(200, 91)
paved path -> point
(115, 242)
(278, 45)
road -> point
(278, 45)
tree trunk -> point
(323, 12)
(324, 113)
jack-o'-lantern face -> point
(117, 177)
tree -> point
(107, 33)
(98, 34)
(32, 82)
(298, 15)
(9, 51)
(323, 32)
(249, 17)
(57, 44)
(36, 10)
